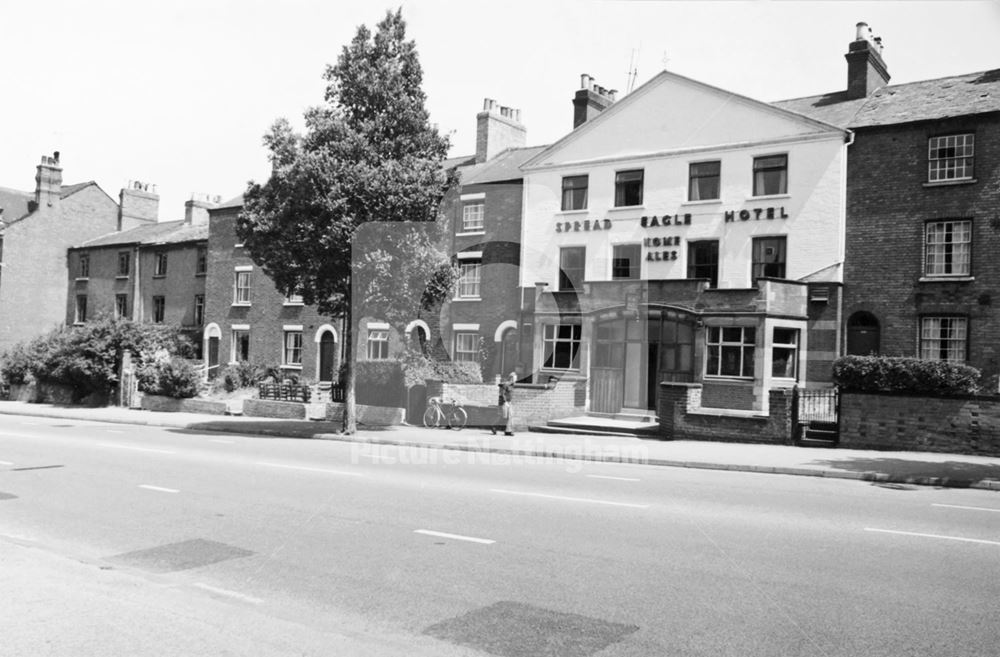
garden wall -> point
(376, 416)
(682, 417)
(968, 425)
(171, 405)
(533, 403)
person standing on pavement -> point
(506, 394)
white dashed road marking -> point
(224, 442)
(569, 499)
(968, 508)
(137, 449)
(457, 537)
(227, 593)
(6, 463)
(299, 467)
(946, 538)
(615, 478)
(158, 488)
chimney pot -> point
(584, 81)
(613, 94)
(486, 104)
(517, 115)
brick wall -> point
(683, 417)
(719, 394)
(926, 424)
(888, 205)
(532, 403)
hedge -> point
(904, 375)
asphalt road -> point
(279, 546)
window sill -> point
(201, 273)
(79, 323)
(159, 275)
(709, 201)
(121, 277)
(563, 213)
(715, 378)
(950, 183)
(470, 233)
(294, 304)
(467, 299)
(291, 367)
(946, 279)
(625, 208)
(241, 305)
(768, 197)
(82, 279)
(709, 411)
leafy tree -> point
(344, 218)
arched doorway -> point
(326, 366)
(863, 334)
(210, 350)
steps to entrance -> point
(619, 424)
(819, 434)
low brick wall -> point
(172, 405)
(532, 403)
(927, 424)
(286, 410)
(682, 417)
(721, 394)
(373, 416)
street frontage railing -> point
(284, 392)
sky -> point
(180, 93)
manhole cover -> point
(180, 556)
(512, 629)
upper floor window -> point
(161, 264)
(730, 351)
(467, 347)
(768, 257)
(572, 260)
(84, 266)
(469, 279)
(703, 181)
(199, 309)
(944, 338)
(948, 248)
(201, 265)
(950, 157)
(703, 261)
(124, 261)
(625, 260)
(159, 309)
(472, 217)
(378, 344)
(574, 192)
(770, 175)
(628, 188)
(241, 288)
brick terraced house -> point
(35, 231)
(923, 211)
(248, 319)
(152, 272)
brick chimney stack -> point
(590, 100)
(197, 207)
(866, 70)
(138, 205)
(48, 181)
(497, 129)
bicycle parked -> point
(445, 414)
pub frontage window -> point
(561, 345)
(703, 181)
(703, 261)
(770, 175)
(628, 188)
(730, 351)
(768, 257)
(625, 262)
(574, 193)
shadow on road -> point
(952, 473)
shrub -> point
(173, 377)
(904, 375)
(417, 368)
(245, 374)
(16, 366)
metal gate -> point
(816, 420)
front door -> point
(327, 353)
(213, 357)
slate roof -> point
(14, 204)
(164, 232)
(926, 100)
(235, 202)
(504, 166)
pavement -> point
(883, 467)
